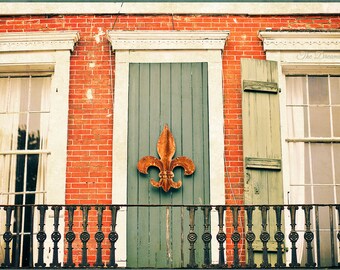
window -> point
(34, 87)
(309, 69)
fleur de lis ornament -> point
(166, 148)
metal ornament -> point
(166, 149)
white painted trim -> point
(38, 41)
(216, 123)
(304, 41)
(58, 62)
(154, 40)
(311, 55)
(259, 8)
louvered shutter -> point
(261, 141)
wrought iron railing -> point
(256, 236)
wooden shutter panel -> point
(261, 140)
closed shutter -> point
(261, 141)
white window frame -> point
(299, 52)
(35, 52)
(166, 47)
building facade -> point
(250, 93)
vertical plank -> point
(132, 215)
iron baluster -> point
(317, 234)
(206, 236)
(221, 236)
(8, 236)
(250, 237)
(18, 219)
(84, 236)
(70, 236)
(41, 236)
(293, 235)
(264, 236)
(235, 237)
(56, 236)
(309, 236)
(113, 237)
(30, 263)
(331, 231)
(338, 234)
(279, 236)
(192, 237)
(99, 236)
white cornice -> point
(38, 41)
(259, 8)
(298, 40)
(167, 40)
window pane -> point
(336, 121)
(318, 90)
(320, 122)
(40, 92)
(296, 90)
(321, 164)
(299, 163)
(32, 171)
(34, 131)
(323, 194)
(336, 152)
(335, 89)
(297, 120)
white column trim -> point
(169, 54)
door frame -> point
(166, 47)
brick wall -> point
(91, 90)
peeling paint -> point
(92, 64)
(168, 240)
(235, 21)
(89, 94)
(99, 37)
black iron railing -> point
(253, 236)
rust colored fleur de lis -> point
(166, 149)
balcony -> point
(219, 236)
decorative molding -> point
(38, 41)
(300, 40)
(259, 8)
(167, 40)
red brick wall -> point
(92, 70)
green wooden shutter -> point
(175, 94)
(261, 140)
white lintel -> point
(167, 40)
(38, 41)
(300, 40)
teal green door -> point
(175, 94)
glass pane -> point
(34, 131)
(299, 163)
(336, 153)
(335, 89)
(323, 194)
(325, 249)
(336, 121)
(296, 90)
(21, 129)
(297, 122)
(40, 93)
(321, 164)
(20, 174)
(3, 94)
(318, 90)
(320, 122)
(32, 171)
